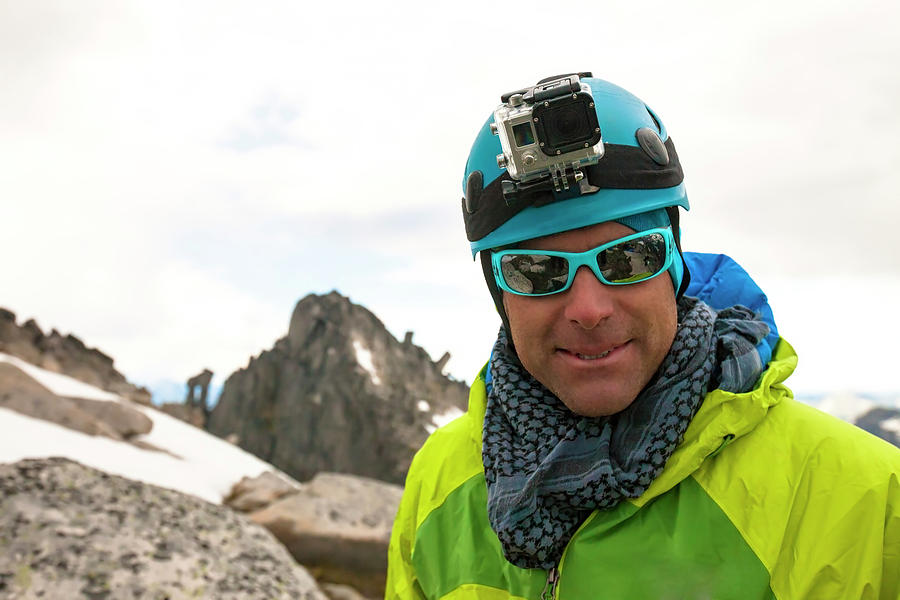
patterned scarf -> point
(548, 468)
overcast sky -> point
(174, 176)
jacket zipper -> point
(552, 584)
(549, 592)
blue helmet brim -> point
(604, 205)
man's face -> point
(594, 346)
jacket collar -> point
(722, 418)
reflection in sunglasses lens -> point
(534, 273)
(634, 260)
(630, 261)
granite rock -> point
(117, 420)
(253, 493)
(339, 526)
(69, 531)
(338, 394)
(65, 354)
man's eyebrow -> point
(512, 246)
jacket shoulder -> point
(830, 445)
(818, 501)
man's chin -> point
(597, 402)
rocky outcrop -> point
(337, 591)
(65, 354)
(883, 422)
(189, 414)
(68, 531)
(198, 392)
(253, 493)
(339, 393)
(336, 525)
(117, 420)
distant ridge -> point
(65, 354)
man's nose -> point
(588, 301)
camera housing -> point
(548, 132)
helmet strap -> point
(676, 230)
(497, 295)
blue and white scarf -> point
(548, 468)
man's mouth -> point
(592, 354)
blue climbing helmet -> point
(570, 152)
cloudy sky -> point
(174, 176)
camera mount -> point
(548, 133)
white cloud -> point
(177, 175)
(842, 328)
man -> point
(631, 435)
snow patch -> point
(364, 358)
(442, 419)
(891, 425)
(61, 385)
(423, 406)
(204, 465)
(848, 407)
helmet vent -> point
(474, 187)
(652, 145)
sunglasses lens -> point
(534, 273)
(634, 260)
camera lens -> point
(566, 125)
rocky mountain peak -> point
(337, 393)
(326, 316)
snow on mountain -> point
(364, 358)
(846, 406)
(61, 385)
(849, 406)
(195, 462)
(441, 419)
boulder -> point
(21, 393)
(126, 421)
(69, 531)
(339, 527)
(253, 493)
(337, 591)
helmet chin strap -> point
(497, 296)
(672, 211)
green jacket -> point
(765, 498)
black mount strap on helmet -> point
(622, 167)
(505, 97)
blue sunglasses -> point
(631, 259)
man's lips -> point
(587, 353)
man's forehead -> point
(592, 235)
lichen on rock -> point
(69, 531)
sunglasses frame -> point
(588, 258)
